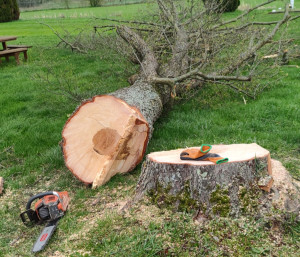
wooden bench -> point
(14, 52)
(17, 46)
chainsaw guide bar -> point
(45, 236)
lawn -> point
(32, 116)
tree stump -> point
(221, 189)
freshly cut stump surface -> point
(103, 137)
(235, 153)
(165, 173)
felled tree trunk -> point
(109, 134)
(216, 189)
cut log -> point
(203, 183)
(270, 56)
(109, 134)
(105, 136)
(286, 190)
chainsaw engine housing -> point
(50, 206)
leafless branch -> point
(130, 22)
(112, 27)
(246, 55)
(149, 61)
(256, 23)
(64, 40)
(235, 88)
(183, 42)
(243, 14)
(197, 74)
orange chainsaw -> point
(50, 207)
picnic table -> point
(3, 40)
(12, 50)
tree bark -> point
(145, 98)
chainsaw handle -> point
(40, 195)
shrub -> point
(222, 5)
(9, 10)
(95, 3)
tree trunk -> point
(109, 134)
(214, 188)
(145, 98)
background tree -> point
(222, 5)
(9, 10)
(95, 3)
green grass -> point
(32, 118)
(273, 5)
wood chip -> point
(1, 185)
(266, 183)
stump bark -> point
(222, 189)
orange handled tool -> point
(194, 154)
(215, 158)
(202, 155)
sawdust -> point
(104, 208)
(9, 197)
(7, 194)
(286, 195)
(144, 214)
(1, 185)
(281, 174)
(147, 213)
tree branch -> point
(178, 61)
(149, 61)
(255, 23)
(246, 55)
(165, 11)
(196, 74)
(242, 15)
(132, 22)
(235, 88)
(114, 26)
(64, 40)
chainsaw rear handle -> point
(40, 195)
